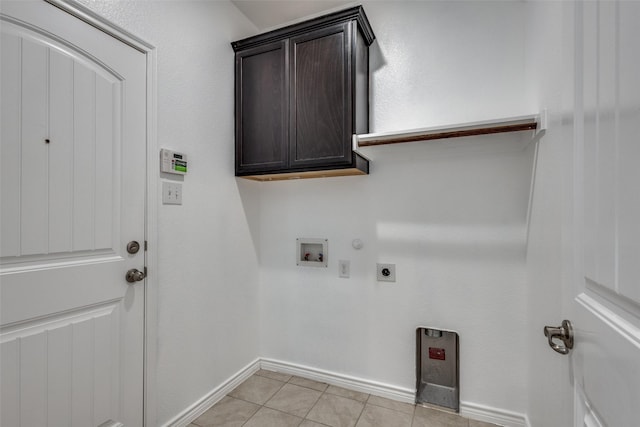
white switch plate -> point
(171, 193)
(344, 268)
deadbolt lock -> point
(133, 247)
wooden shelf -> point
(510, 124)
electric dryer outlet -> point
(386, 272)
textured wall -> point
(451, 215)
(208, 271)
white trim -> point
(56, 261)
(401, 394)
(489, 414)
(45, 323)
(214, 396)
(621, 326)
(467, 409)
(151, 237)
(87, 15)
(389, 391)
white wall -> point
(208, 270)
(549, 76)
(451, 215)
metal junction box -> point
(437, 368)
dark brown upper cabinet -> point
(301, 93)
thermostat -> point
(172, 162)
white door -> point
(73, 194)
(605, 307)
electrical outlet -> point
(386, 272)
(344, 268)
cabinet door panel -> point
(261, 108)
(321, 107)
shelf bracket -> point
(543, 121)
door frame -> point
(85, 14)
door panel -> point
(61, 128)
(33, 157)
(262, 108)
(628, 153)
(321, 97)
(65, 188)
(54, 361)
(73, 191)
(10, 101)
(606, 307)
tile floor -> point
(273, 399)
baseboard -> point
(214, 396)
(467, 409)
(352, 383)
(489, 414)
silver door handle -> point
(564, 333)
(134, 275)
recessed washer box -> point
(312, 252)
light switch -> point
(171, 193)
(344, 267)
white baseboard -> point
(467, 409)
(493, 415)
(352, 383)
(184, 418)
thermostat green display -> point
(172, 162)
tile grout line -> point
(269, 398)
(312, 406)
(261, 406)
(304, 417)
(326, 392)
(361, 412)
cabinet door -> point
(321, 107)
(262, 108)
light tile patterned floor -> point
(273, 399)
